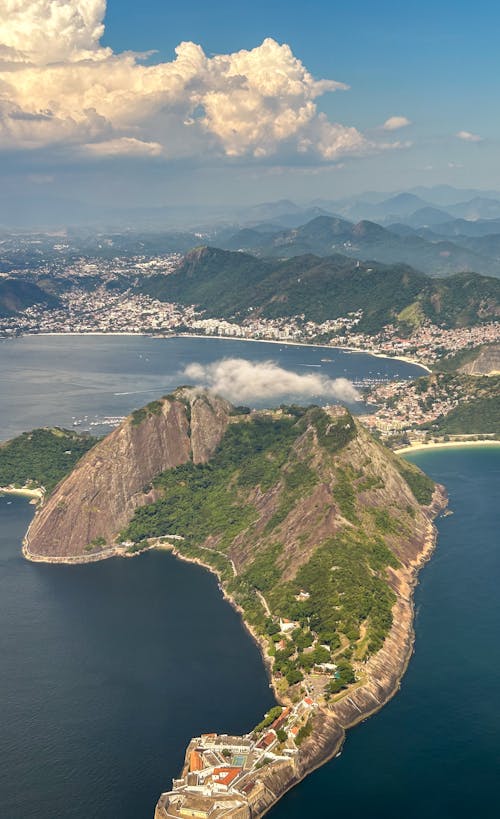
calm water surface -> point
(107, 670)
(54, 379)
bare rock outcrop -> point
(88, 509)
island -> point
(315, 530)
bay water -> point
(108, 669)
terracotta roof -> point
(267, 740)
(224, 776)
(195, 761)
(281, 719)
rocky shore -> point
(381, 681)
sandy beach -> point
(415, 447)
(34, 494)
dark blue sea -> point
(107, 670)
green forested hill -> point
(297, 502)
(16, 295)
(226, 284)
(41, 457)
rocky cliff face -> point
(91, 506)
(486, 363)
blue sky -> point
(438, 62)
(434, 64)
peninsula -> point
(316, 532)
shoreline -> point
(421, 447)
(384, 671)
(24, 491)
(384, 674)
(341, 347)
(405, 359)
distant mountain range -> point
(234, 284)
(366, 240)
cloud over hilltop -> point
(238, 379)
(62, 89)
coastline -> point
(384, 672)
(381, 679)
(421, 447)
(402, 358)
(35, 494)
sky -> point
(158, 102)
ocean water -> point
(56, 379)
(107, 670)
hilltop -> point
(230, 284)
(314, 529)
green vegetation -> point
(345, 578)
(452, 363)
(227, 284)
(298, 481)
(477, 401)
(333, 433)
(269, 718)
(42, 457)
(420, 484)
(345, 496)
(140, 415)
(208, 499)
(480, 415)
(339, 597)
(304, 732)
(18, 294)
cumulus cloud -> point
(59, 86)
(240, 380)
(467, 136)
(394, 123)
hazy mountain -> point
(427, 217)
(464, 227)
(477, 208)
(367, 240)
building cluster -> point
(428, 343)
(294, 328)
(100, 311)
(221, 773)
(404, 406)
(104, 308)
(61, 262)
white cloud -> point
(394, 123)
(60, 87)
(43, 31)
(238, 379)
(467, 136)
(124, 146)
